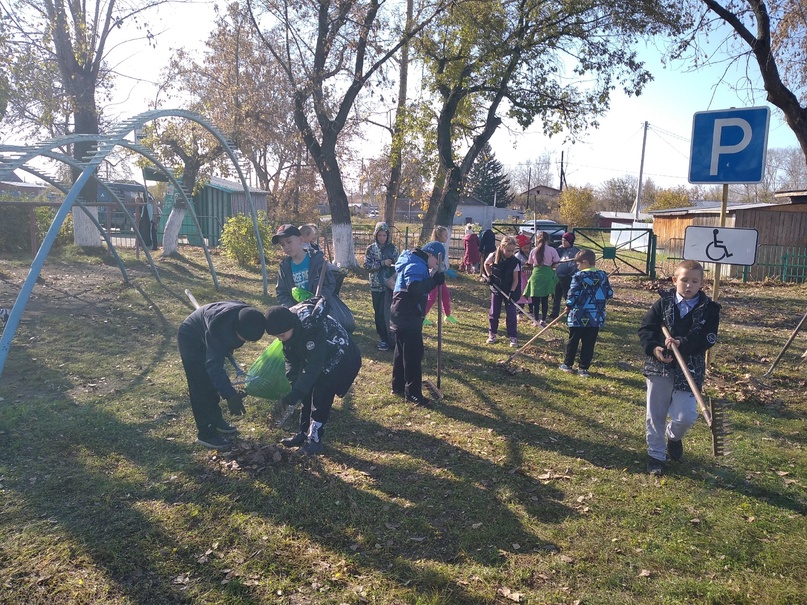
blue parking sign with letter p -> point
(729, 145)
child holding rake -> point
(692, 318)
(502, 271)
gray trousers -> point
(664, 401)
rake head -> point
(434, 392)
(719, 427)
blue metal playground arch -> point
(14, 157)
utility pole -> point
(641, 170)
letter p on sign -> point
(729, 146)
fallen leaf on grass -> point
(566, 559)
(645, 573)
(507, 593)
(548, 476)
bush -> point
(15, 227)
(238, 238)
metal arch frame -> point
(65, 190)
(106, 143)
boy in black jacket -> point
(692, 318)
(322, 361)
(205, 339)
(406, 317)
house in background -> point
(214, 204)
(473, 210)
(781, 229)
(605, 220)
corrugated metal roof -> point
(708, 208)
(231, 186)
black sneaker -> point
(295, 441)
(214, 442)
(675, 449)
(419, 400)
(225, 428)
(654, 466)
(312, 448)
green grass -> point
(516, 488)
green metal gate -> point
(629, 251)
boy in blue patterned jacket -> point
(585, 302)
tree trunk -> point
(172, 227)
(396, 150)
(341, 225)
(85, 233)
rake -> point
(713, 414)
(515, 304)
(434, 389)
(507, 361)
(242, 379)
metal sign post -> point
(728, 146)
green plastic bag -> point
(267, 376)
(300, 294)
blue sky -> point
(668, 105)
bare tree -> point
(59, 72)
(775, 34)
(329, 50)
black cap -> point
(251, 324)
(280, 319)
(285, 231)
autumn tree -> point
(774, 33)
(242, 91)
(329, 51)
(676, 197)
(59, 72)
(577, 207)
(556, 63)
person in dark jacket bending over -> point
(322, 361)
(406, 317)
(300, 267)
(205, 339)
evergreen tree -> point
(487, 180)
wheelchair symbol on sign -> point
(715, 245)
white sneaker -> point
(491, 339)
(564, 368)
(514, 343)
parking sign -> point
(729, 145)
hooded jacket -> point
(697, 331)
(376, 254)
(285, 279)
(411, 290)
(209, 333)
(319, 352)
(588, 292)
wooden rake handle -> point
(707, 415)
(534, 338)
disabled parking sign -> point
(729, 146)
(725, 245)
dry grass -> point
(528, 488)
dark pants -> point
(154, 243)
(510, 313)
(407, 361)
(561, 290)
(587, 338)
(381, 309)
(543, 303)
(204, 397)
(316, 406)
